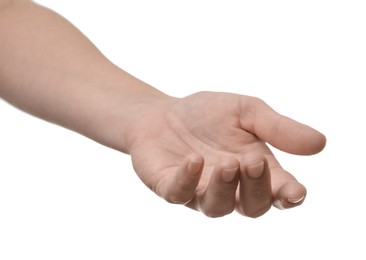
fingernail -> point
(256, 171)
(295, 200)
(279, 204)
(194, 167)
(228, 175)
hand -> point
(208, 151)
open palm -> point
(208, 151)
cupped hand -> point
(208, 151)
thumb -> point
(281, 132)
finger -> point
(255, 192)
(282, 132)
(219, 197)
(290, 195)
(180, 188)
(286, 190)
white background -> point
(63, 196)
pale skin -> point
(207, 151)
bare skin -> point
(207, 151)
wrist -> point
(120, 109)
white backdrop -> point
(62, 196)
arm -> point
(49, 69)
(207, 151)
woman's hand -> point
(208, 151)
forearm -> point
(49, 69)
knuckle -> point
(255, 212)
(179, 198)
(214, 214)
(217, 212)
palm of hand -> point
(195, 151)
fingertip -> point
(229, 162)
(195, 164)
(195, 157)
(254, 165)
(290, 195)
(229, 167)
(313, 142)
(322, 141)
